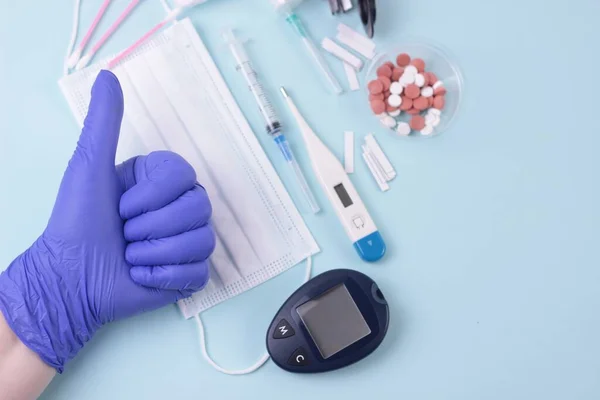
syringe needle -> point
(288, 154)
(244, 65)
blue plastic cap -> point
(371, 248)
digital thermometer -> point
(333, 320)
(348, 206)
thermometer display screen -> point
(343, 195)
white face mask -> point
(176, 99)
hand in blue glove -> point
(120, 241)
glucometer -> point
(333, 320)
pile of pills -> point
(407, 87)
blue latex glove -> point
(120, 241)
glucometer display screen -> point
(333, 320)
(343, 195)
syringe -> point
(273, 125)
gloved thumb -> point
(97, 144)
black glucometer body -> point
(333, 320)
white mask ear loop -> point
(256, 365)
(73, 36)
(76, 55)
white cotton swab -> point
(84, 61)
(74, 58)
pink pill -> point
(413, 111)
(390, 64)
(389, 108)
(406, 103)
(412, 91)
(378, 106)
(379, 97)
(440, 91)
(417, 122)
(430, 101)
(432, 78)
(384, 70)
(375, 87)
(426, 76)
(386, 82)
(439, 102)
(421, 103)
(397, 73)
(419, 64)
(403, 60)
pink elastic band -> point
(137, 43)
(95, 23)
(170, 18)
(115, 25)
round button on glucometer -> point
(299, 358)
(283, 330)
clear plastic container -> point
(437, 61)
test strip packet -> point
(352, 77)
(375, 172)
(380, 157)
(341, 53)
(356, 41)
(349, 151)
(358, 47)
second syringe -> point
(273, 126)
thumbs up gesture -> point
(121, 240)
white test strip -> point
(380, 173)
(341, 53)
(364, 41)
(380, 157)
(349, 151)
(352, 77)
(379, 179)
(347, 5)
(357, 46)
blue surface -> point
(493, 269)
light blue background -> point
(493, 270)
